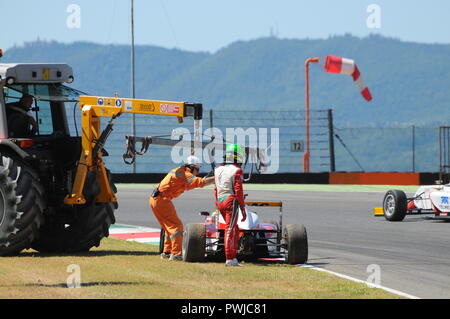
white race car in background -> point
(428, 200)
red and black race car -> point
(256, 239)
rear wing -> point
(270, 204)
(265, 204)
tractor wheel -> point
(296, 243)
(89, 225)
(194, 243)
(81, 228)
(22, 205)
(394, 205)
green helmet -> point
(234, 153)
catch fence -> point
(333, 148)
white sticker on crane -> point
(169, 108)
(128, 105)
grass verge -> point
(121, 269)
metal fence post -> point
(444, 153)
(211, 125)
(211, 118)
(133, 87)
(331, 140)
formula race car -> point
(256, 239)
(428, 200)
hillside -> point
(409, 81)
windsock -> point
(335, 64)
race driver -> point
(177, 181)
(230, 197)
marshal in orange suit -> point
(176, 182)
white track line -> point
(133, 229)
(393, 291)
(124, 229)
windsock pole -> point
(307, 154)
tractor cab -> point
(33, 121)
(33, 102)
(35, 92)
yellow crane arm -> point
(108, 106)
(92, 140)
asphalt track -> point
(413, 256)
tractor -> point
(56, 195)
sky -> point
(209, 25)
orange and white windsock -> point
(335, 64)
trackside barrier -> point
(353, 178)
(375, 178)
(286, 178)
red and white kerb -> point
(335, 64)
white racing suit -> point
(229, 197)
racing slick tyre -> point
(296, 244)
(22, 205)
(394, 205)
(194, 243)
(77, 228)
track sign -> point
(297, 146)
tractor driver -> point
(20, 122)
(177, 181)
